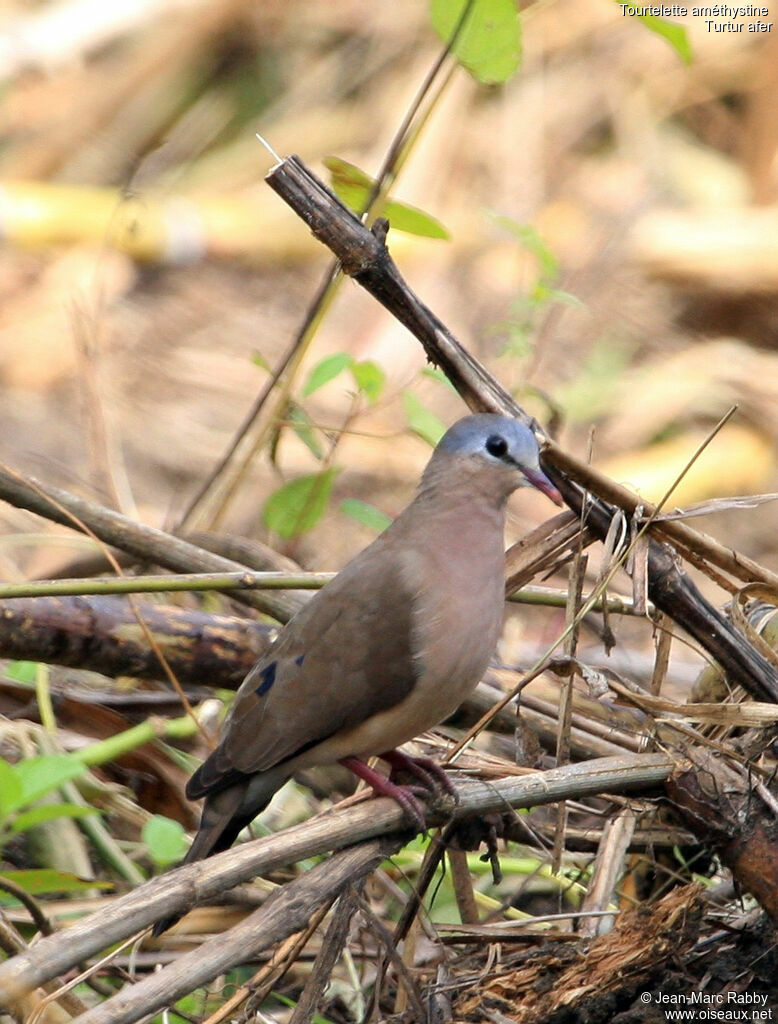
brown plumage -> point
(388, 648)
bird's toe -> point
(433, 777)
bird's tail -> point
(225, 815)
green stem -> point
(551, 597)
(153, 728)
(43, 697)
(167, 583)
(102, 840)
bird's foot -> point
(432, 776)
(405, 796)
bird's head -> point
(503, 452)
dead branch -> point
(287, 911)
(364, 256)
(102, 634)
(693, 545)
(331, 948)
(545, 547)
(246, 550)
(144, 542)
(184, 887)
(673, 592)
(723, 806)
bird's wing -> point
(346, 656)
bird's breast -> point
(457, 620)
(456, 607)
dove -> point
(389, 648)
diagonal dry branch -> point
(183, 887)
(365, 257)
(144, 542)
(286, 912)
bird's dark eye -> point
(496, 446)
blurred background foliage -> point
(612, 252)
(600, 229)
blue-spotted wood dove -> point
(390, 647)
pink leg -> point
(405, 796)
(433, 777)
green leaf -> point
(675, 35)
(352, 186)
(369, 378)
(346, 175)
(302, 425)
(22, 671)
(41, 775)
(530, 239)
(437, 374)
(365, 513)
(298, 506)
(10, 788)
(48, 812)
(325, 371)
(259, 360)
(413, 221)
(165, 839)
(421, 420)
(39, 881)
(489, 43)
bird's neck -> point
(457, 539)
(476, 489)
(467, 515)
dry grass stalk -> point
(184, 886)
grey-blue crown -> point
(472, 435)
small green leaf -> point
(352, 186)
(41, 775)
(675, 35)
(346, 175)
(165, 839)
(48, 812)
(421, 420)
(298, 506)
(325, 371)
(10, 788)
(39, 881)
(369, 378)
(413, 221)
(22, 671)
(531, 240)
(259, 360)
(302, 425)
(489, 43)
(438, 375)
(365, 513)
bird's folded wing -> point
(346, 656)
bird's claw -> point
(434, 777)
(406, 797)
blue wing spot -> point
(299, 659)
(268, 677)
